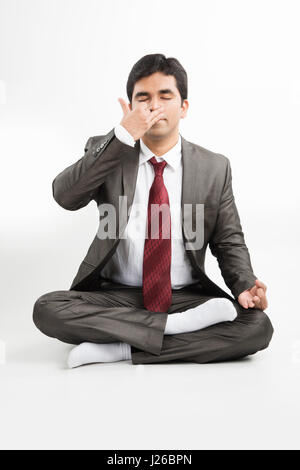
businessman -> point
(141, 293)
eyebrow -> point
(165, 91)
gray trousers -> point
(116, 312)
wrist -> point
(128, 133)
(124, 135)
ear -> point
(184, 108)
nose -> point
(154, 105)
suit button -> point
(101, 146)
(98, 149)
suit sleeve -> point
(80, 182)
(228, 245)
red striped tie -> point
(157, 291)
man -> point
(141, 292)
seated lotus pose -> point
(141, 293)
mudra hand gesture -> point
(255, 297)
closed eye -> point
(140, 101)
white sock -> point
(86, 353)
(212, 311)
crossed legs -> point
(115, 313)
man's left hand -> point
(255, 297)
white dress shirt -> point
(126, 264)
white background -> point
(64, 63)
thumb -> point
(253, 290)
(124, 106)
(260, 284)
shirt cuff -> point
(123, 135)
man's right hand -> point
(140, 119)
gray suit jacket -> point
(109, 169)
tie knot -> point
(158, 166)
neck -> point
(161, 146)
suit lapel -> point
(195, 184)
(189, 176)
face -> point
(155, 90)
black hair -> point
(152, 63)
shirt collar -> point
(172, 157)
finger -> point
(250, 300)
(124, 105)
(262, 299)
(152, 114)
(253, 290)
(260, 292)
(242, 301)
(257, 303)
(264, 302)
(147, 107)
(158, 115)
(160, 108)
